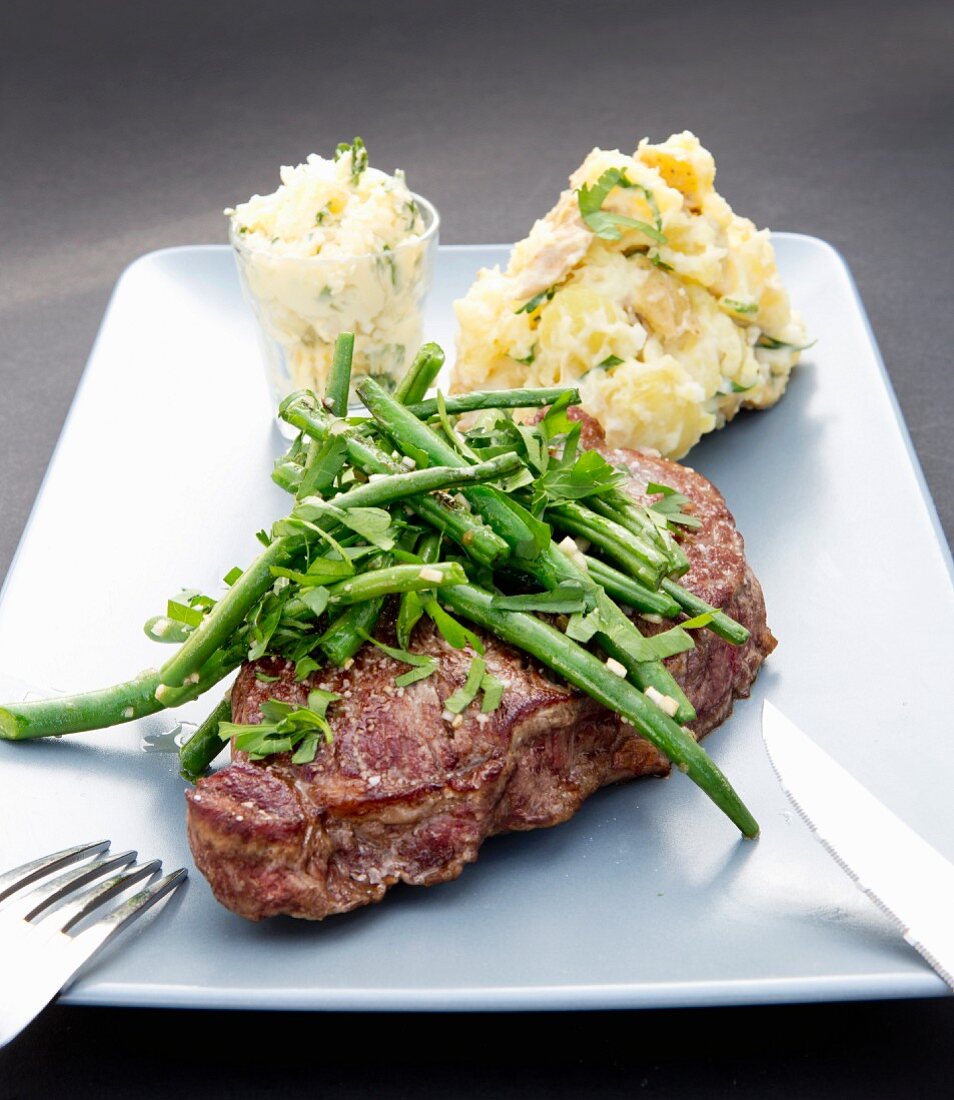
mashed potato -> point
(645, 290)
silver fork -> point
(38, 957)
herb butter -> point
(339, 246)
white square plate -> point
(647, 897)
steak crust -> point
(404, 794)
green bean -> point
(721, 624)
(112, 706)
(457, 522)
(491, 399)
(339, 378)
(630, 591)
(230, 611)
(589, 674)
(205, 744)
(347, 633)
(393, 580)
(615, 541)
(650, 674)
(550, 567)
(411, 608)
(635, 518)
(420, 375)
(416, 439)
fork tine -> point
(14, 880)
(91, 939)
(83, 903)
(47, 893)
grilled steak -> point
(403, 794)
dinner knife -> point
(902, 874)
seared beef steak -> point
(404, 794)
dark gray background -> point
(126, 127)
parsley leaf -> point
(372, 524)
(324, 465)
(567, 598)
(263, 622)
(606, 224)
(572, 478)
(321, 571)
(304, 667)
(582, 627)
(315, 599)
(453, 632)
(670, 507)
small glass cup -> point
(303, 303)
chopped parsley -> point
(478, 680)
(323, 465)
(607, 364)
(183, 613)
(493, 690)
(740, 307)
(422, 664)
(359, 156)
(299, 730)
(411, 214)
(769, 342)
(537, 301)
(467, 692)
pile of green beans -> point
(433, 488)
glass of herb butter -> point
(338, 247)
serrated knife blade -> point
(902, 874)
